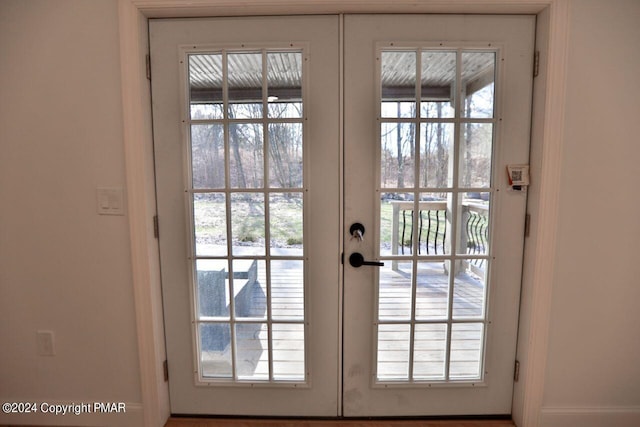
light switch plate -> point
(110, 201)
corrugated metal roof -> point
(285, 69)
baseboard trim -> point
(619, 416)
(87, 414)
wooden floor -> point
(222, 422)
(218, 422)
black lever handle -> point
(357, 260)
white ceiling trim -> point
(188, 8)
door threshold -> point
(186, 420)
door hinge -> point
(147, 59)
(536, 63)
(516, 372)
(527, 225)
(156, 227)
(165, 370)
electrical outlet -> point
(46, 345)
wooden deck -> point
(430, 327)
(394, 329)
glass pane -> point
(398, 75)
(246, 162)
(430, 352)
(207, 156)
(249, 291)
(247, 223)
(215, 354)
(478, 77)
(286, 228)
(466, 350)
(252, 351)
(438, 84)
(469, 291)
(473, 209)
(288, 352)
(213, 288)
(210, 224)
(393, 352)
(397, 152)
(285, 155)
(434, 224)
(475, 155)
(394, 291)
(287, 290)
(436, 155)
(245, 85)
(284, 82)
(432, 293)
(396, 223)
(205, 86)
(393, 109)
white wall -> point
(593, 366)
(63, 267)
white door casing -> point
(553, 16)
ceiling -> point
(284, 75)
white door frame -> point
(138, 149)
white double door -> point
(276, 139)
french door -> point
(436, 107)
(284, 146)
(248, 162)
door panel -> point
(249, 222)
(435, 108)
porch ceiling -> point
(398, 76)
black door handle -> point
(357, 260)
